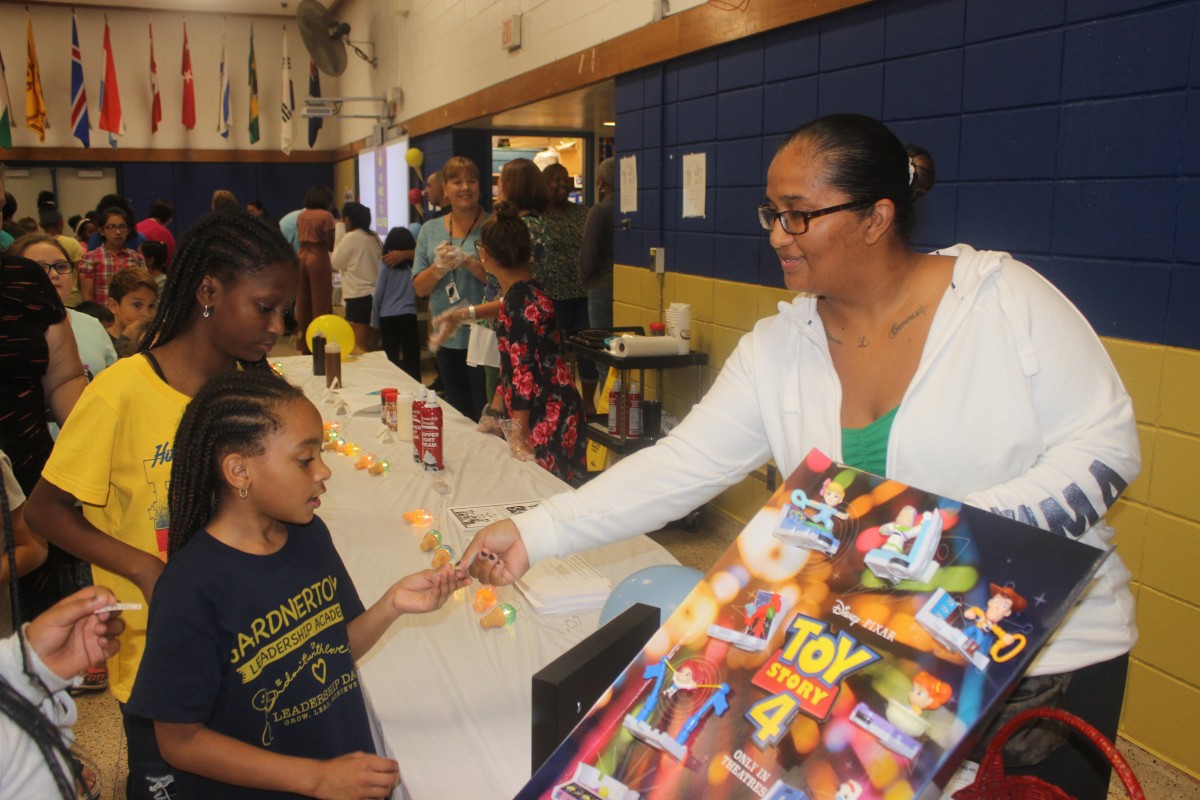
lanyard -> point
(450, 219)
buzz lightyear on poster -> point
(846, 646)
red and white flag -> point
(110, 95)
(156, 103)
(189, 85)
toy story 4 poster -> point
(845, 647)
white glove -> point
(489, 422)
(517, 434)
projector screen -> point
(383, 185)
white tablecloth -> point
(453, 699)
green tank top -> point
(866, 448)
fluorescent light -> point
(609, 124)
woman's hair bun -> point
(506, 211)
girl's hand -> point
(357, 776)
(517, 434)
(426, 590)
(70, 636)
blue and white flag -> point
(81, 129)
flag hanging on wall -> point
(35, 103)
(189, 84)
(314, 91)
(156, 98)
(81, 129)
(288, 106)
(110, 95)
(223, 99)
(253, 90)
(6, 123)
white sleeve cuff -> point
(539, 533)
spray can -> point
(616, 416)
(431, 434)
(387, 407)
(418, 407)
(633, 411)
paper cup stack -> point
(679, 325)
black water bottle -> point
(318, 353)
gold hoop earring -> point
(207, 311)
(242, 492)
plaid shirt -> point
(100, 265)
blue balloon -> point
(664, 586)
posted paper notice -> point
(695, 178)
(628, 184)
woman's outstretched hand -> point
(497, 554)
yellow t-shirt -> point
(114, 456)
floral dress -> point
(534, 377)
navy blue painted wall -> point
(190, 186)
(1064, 131)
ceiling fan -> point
(326, 39)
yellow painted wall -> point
(1157, 520)
(344, 177)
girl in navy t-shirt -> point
(255, 624)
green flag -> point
(253, 91)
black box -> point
(565, 690)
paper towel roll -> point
(646, 346)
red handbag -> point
(992, 784)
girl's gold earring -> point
(242, 492)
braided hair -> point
(226, 245)
(27, 716)
(235, 411)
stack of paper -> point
(563, 585)
(475, 518)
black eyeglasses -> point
(796, 222)
(115, 228)
(61, 267)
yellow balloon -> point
(335, 329)
(414, 157)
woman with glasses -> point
(962, 372)
(39, 368)
(95, 346)
(114, 254)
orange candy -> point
(485, 598)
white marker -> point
(119, 607)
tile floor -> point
(99, 734)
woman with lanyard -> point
(448, 273)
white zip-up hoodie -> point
(1015, 407)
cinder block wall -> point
(1066, 132)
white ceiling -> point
(266, 8)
